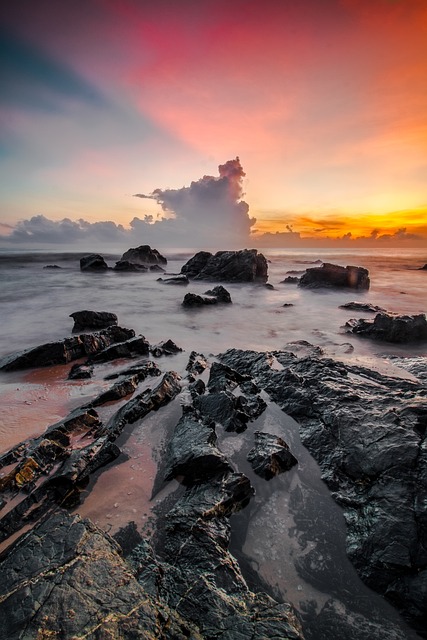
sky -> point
(213, 123)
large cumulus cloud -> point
(210, 209)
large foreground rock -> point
(143, 255)
(368, 433)
(246, 265)
(334, 276)
(391, 328)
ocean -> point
(36, 304)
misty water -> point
(291, 538)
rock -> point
(180, 279)
(52, 469)
(197, 363)
(424, 268)
(367, 432)
(143, 403)
(194, 300)
(269, 286)
(192, 451)
(288, 304)
(165, 348)
(246, 265)
(144, 255)
(93, 262)
(67, 350)
(220, 293)
(119, 390)
(136, 346)
(66, 579)
(92, 320)
(52, 266)
(224, 378)
(391, 328)
(230, 411)
(270, 455)
(80, 372)
(196, 264)
(125, 265)
(335, 276)
(156, 267)
(290, 280)
(362, 306)
(142, 370)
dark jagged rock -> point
(51, 470)
(220, 293)
(246, 265)
(117, 391)
(52, 266)
(80, 372)
(180, 279)
(288, 304)
(192, 451)
(143, 403)
(165, 348)
(125, 265)
(367, 432)
(197, 363)
(196, 264)
(67, 350)
(230, 411)
(203, 581)
(92, 320)
(156, 267)
(291, 280)
(362, 306)
(93, 262)
(137, 346)
(424, 268)
(144, 255)
(270, 455)
(224, 378)
(142, 371)
(194, 300)
(335, 276)
(72, 582)
(391, 328)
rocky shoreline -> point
(65, 577)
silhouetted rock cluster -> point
(334, 276)
(246, 265)
(391, 328)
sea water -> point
(293, 514)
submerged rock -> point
(180, 279)
(80, 372)
(291, 280)
(270, 455)
(246, 265)
(391, 328)
(194, 300)
(125, 265)
(92, 319)
(136, 346)
(362, 306)
(143, 255)
(93, 262)
(335, 276)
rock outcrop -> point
(67, 350)
(270, 455)
(93, 262)
(334, 276)
(391, 328)
(143, 255)
(368, 433)
(362, 306)
(246, 265)
(92, 320)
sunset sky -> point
(323, 102)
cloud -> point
(211, 208)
